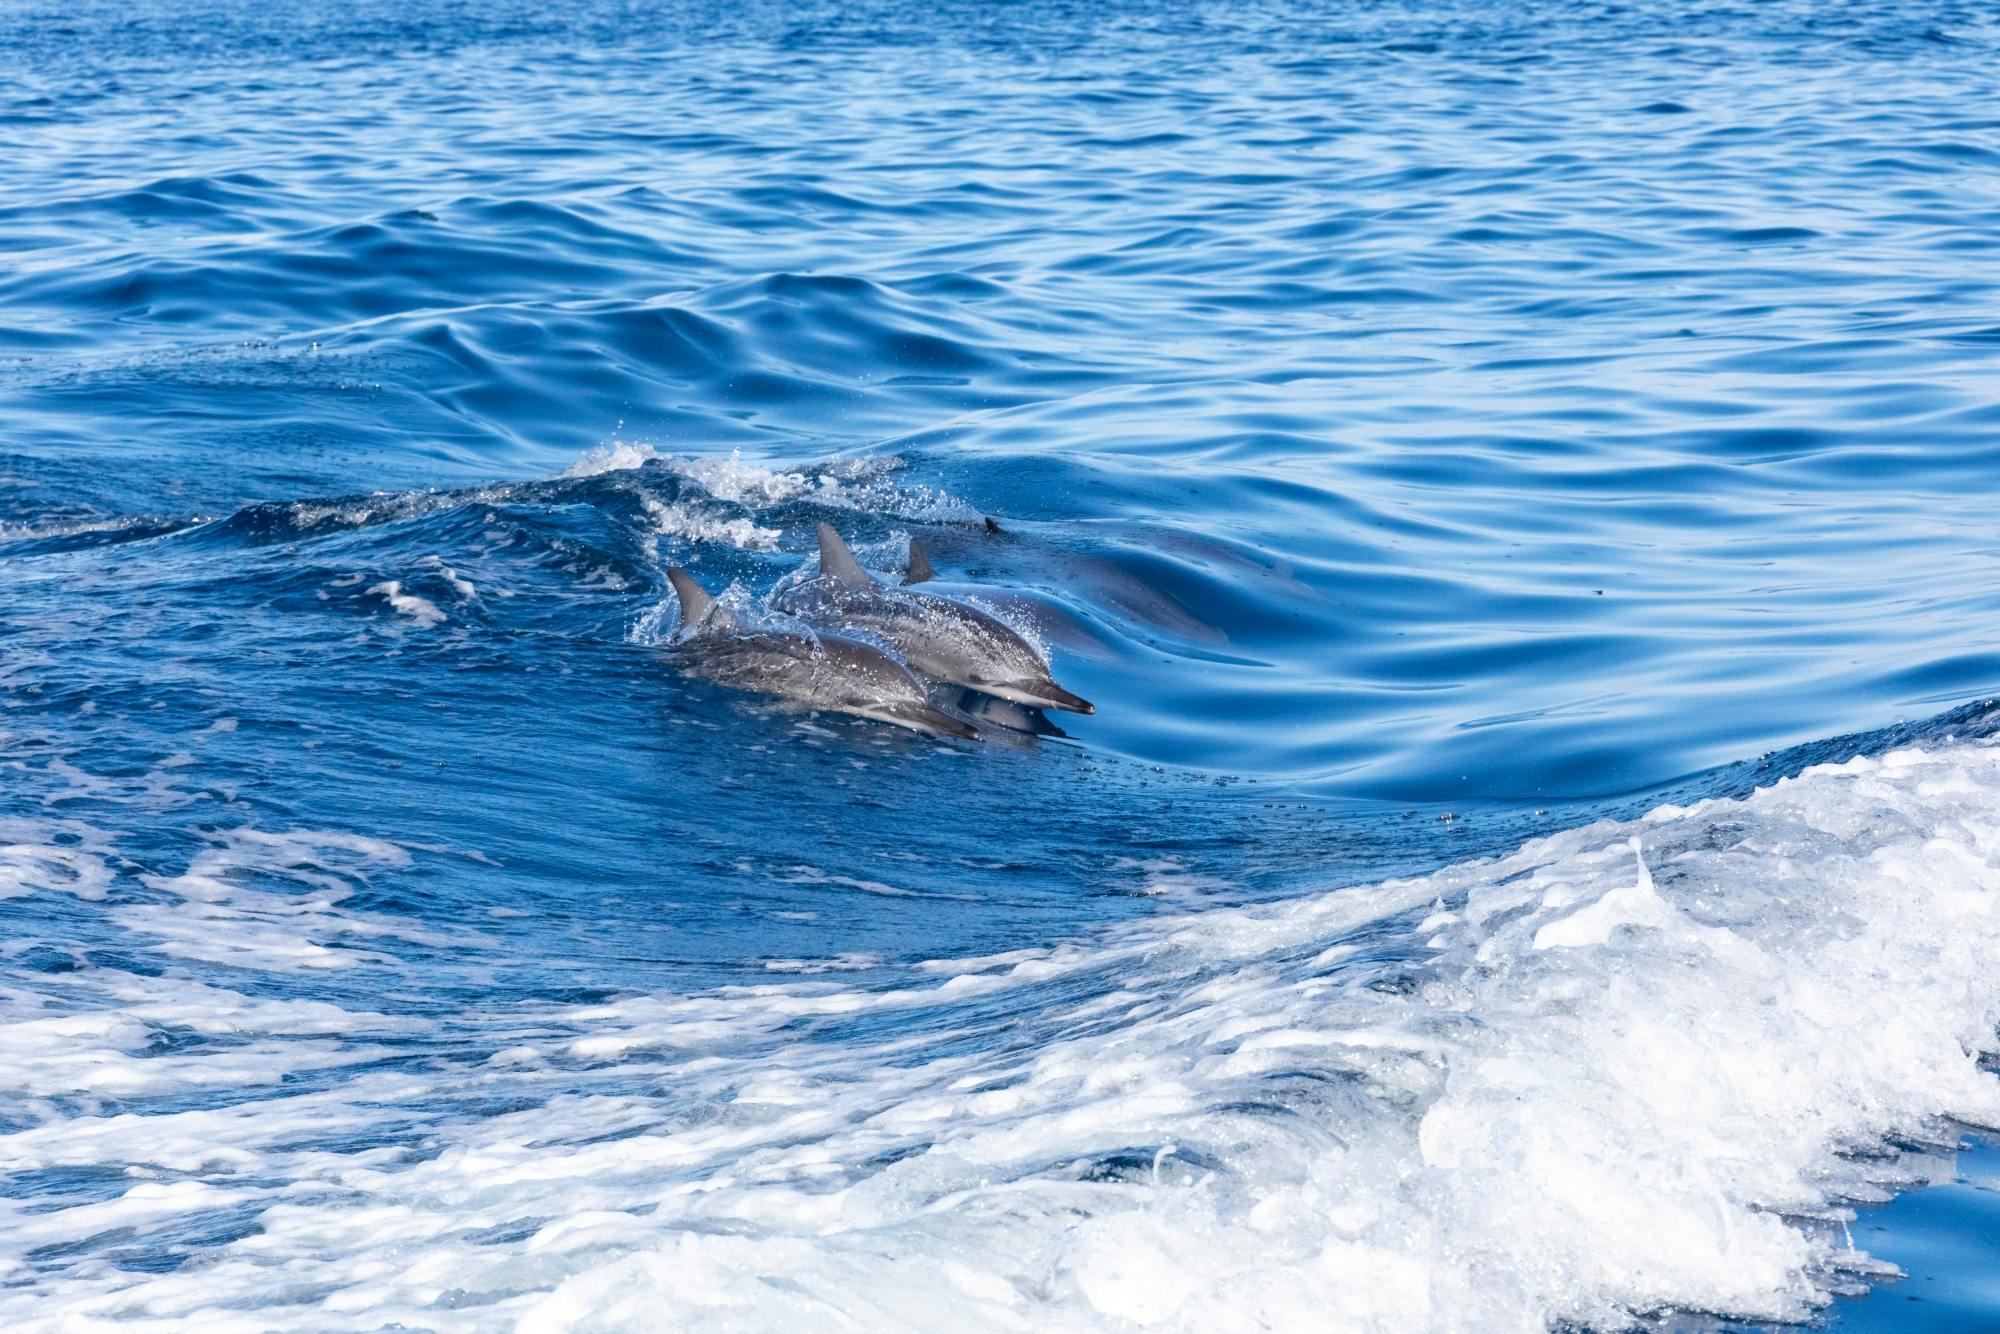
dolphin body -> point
(825, 671)
(938, 636)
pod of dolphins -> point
(938, 642)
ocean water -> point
(1518, 481)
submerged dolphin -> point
(825, 671)
(940, 637)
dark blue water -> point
(1427, 433)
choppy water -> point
(1470, 454)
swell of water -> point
(1419, 404)
(1484, 462)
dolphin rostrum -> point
(823, 671)
(939, 636)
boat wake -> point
(1640, 1066)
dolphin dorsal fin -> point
(696, 604)
(920, 565)
(835, 559)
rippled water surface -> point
(1470, 455)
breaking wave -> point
(1643, 1065)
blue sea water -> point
(1518, 481)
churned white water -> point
(1624, 1069)
(864, 483)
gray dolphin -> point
(940, 637)
(824, 671)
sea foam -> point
(1627, 1068)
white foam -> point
(612, 456)
(275, 902)
(30, 863)
(1613, 1072)
(693, 522)
(459, 584)
(864, 482)
(419, 609)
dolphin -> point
(940, 637)
(824, 671)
